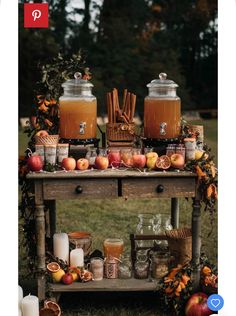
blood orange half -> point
(163, 162)
(53, 267)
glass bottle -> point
(145, 227)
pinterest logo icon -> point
(36, 15)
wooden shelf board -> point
(107, 285)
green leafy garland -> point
(45, 117)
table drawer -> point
(162, 187)
(79, 188)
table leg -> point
(175, 212)
(196, 241)
(40, 239)
(52, 217)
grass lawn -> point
(118, 218)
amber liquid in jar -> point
(113, 247)
(75, 112)
(159, 111)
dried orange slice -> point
(163, 162)
(53, 267)
(53, 306)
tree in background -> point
(131, 43)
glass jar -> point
(160, 264)
(78, 110)
(190, 148)
(147, 150)
(141, 269)
(145, 227)
(160, 230)
(113, 247)
(62, 152)
(91, 156)
(125, 268)
(180, 149)
(114, 158)
(170, 149)
(111, 266)
(126, 157)
(162, 109)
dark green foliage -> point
(127, 44)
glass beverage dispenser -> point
(78, 111)
(162, 110)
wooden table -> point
(91, 184)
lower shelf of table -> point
(107, 285)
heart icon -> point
(215, 302)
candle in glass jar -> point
(61, 246)
(30, 305)
(77, 257)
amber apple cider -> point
(73, 115)
(113, 247)
(158, 111)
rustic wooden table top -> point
(109, 173)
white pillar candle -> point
(20, 294)
(20, 297)
(61, 246)
(30, 306)
(77, 257)
(19, 312)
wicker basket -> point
(47, 140)
(180, 244)
(120, 131)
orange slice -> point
(53, 267)
(163, 162)
(53, 306)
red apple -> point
(139, 161)
(35, 163)
(101, 162)
(114, 158)
(197, 305)
(67, 278)
(42, 133)
(68, 163)
(177, 161)
(82, 164)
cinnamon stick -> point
(108, 109)
(124, 99)
(127, 108)
(133, 102)
(111, 108)
(126, 117)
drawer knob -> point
(78, 189)
(160, 188)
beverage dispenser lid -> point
(162, 82)
(77, 82)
